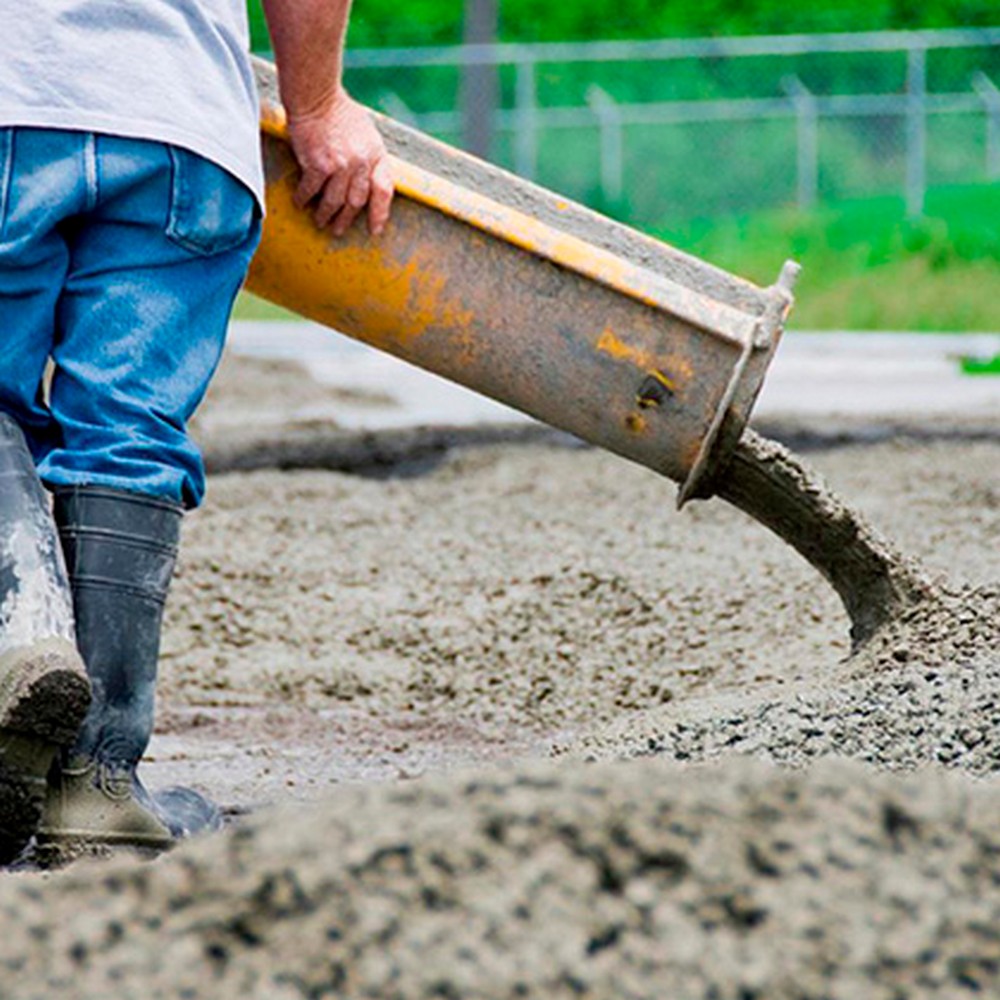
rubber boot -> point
(44, 692)
(120, 551)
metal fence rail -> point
(676, 48)
(795, 143)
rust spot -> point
(610, 343)
(635, 423)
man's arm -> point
(342, 156)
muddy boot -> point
(120, 550)
(44, 691)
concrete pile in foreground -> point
(641, 879)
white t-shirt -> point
(175, 71)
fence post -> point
(480, 87)
(609, 121)
(526, 139)
(990, 94)
(916, 132)
(807, 136)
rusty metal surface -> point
(542, 320)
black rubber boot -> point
(120, 551)
(44, 691)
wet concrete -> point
(875, 582)
(924, 693)
(356, 640)
(635, 880)
(520, 593)
(764, 479)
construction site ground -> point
(492, 719)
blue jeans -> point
(119, 261)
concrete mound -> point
(639, 879)
(523, 601)
(925, 690)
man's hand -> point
(343, 159)
(344, 165)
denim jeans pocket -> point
(6, 172)
(210, 210)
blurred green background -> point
(383, 23)
(866, 266)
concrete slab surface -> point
(815, 375)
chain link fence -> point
(671, 130)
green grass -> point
(865, 266)
(980, 366)
(251, 307)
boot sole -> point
(56, 847)
(70, 842)
(44, 696)
(82, 818)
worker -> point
(130, 205)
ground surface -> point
(334, 634)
